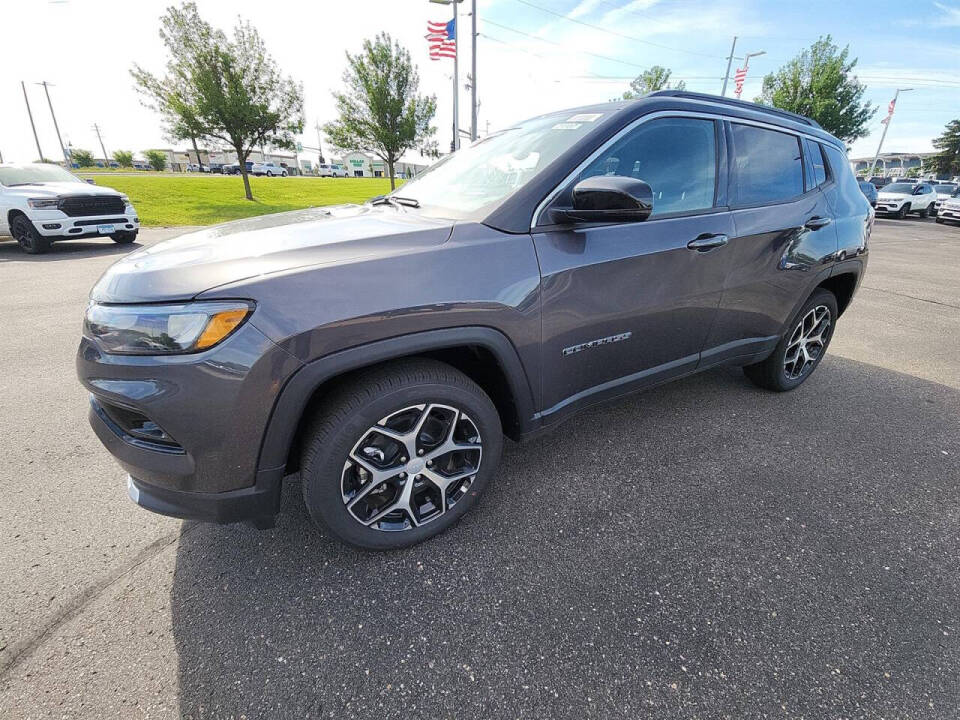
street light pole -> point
(63, 150)
(105, 158)
(726, 76)
(32, 126)
(473, 72)
(456, 81)
(886, 126)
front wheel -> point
(400, 454)
(902, 212)
(124, 238)
(799, 351)
(27, 237)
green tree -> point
(820, 84)
(220, 89)
(380, 110)
(124, 158)
(947, 159)
(156, 158)
(650, 80)
(83, 158)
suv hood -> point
(54, 189)
(184, 267)
(882, 195)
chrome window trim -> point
(647, 118)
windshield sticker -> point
(586, 117)
(566, 126)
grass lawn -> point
(208, 199)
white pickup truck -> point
(900, 198)
(41, 203)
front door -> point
(631, 304)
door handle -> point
(703, 243)
(815, 223)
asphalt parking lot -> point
(703, 550)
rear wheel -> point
(400, 454)
(27, 237)
(927, 211)
(799, 351)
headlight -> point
(126, 200)
(43, 202)
(163, 329)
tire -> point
(27, 237)
(124, 238)
(902, 212)
(925, 212)
(398, 395)
(776, 372)
(939, 221)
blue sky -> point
(898, 44)
(529, 60)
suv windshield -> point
(473, 180)
(900, 187)
(948, 188)
(35, 175)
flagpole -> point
(473, 73)
(456, 81)
(886, 126)
(726, 75)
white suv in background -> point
(900, 198)
(945, 191)
(269, 169)
(41, 203)
(331, 170)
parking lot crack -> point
(912, 297)
(19, 651)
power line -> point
(618, 34)
(561, 45)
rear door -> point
(784, 239)
(630, 304)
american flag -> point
(890, 107)
(738, 78)
(442, 37)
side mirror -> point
(607, 198)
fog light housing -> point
(51, 226)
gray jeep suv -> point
(384, 350)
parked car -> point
(41, 204)
(385, 349)
(879, 181)
(234, 168)
(269, 169)
(869, 192)
(195, 167)
(331, 170)
(950, 210)
(900, 198)
(141, 165)
(944, 192)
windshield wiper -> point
(396, 201)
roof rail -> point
(746, 105)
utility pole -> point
(726, 76)
(97, 130)
(46, 89)
(473, 72)
(34, 127)
(886, 126)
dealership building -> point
(892, 163)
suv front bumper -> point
(188, 428)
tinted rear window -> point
(767, 166)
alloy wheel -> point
(411, 467)
(807, 342)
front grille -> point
(101, 221)
(86, 205)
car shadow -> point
(66, 250)
(705, 549)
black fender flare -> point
(296, 393)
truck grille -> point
(86, 205)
